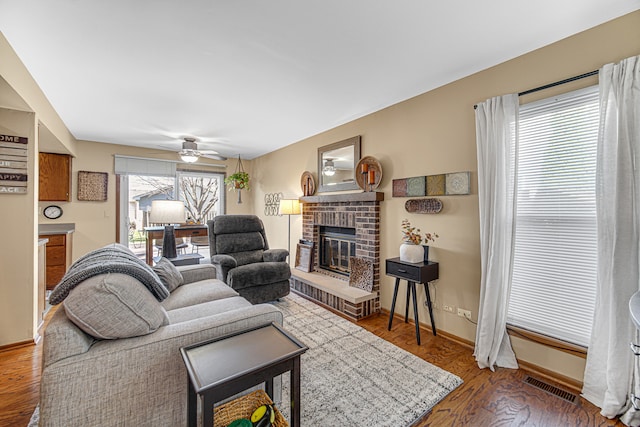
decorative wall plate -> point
(424, 206)
(307, 184)
(458, 183)
(362, 179)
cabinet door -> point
(55, 177)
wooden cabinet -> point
(58, 257)
(55, 177)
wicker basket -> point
(243, 407)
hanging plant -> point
(238, 181)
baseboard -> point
(16, 345)
(571, 384)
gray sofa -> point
(240, 252)
(138, 380)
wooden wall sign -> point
(13, 164)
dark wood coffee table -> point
(227, 365)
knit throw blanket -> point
(114, 258)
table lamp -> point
(167, 212)
(289, 207)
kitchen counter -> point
(48, 229)
(634, 309)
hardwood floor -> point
(486, 398)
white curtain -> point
(609, 373)
(496, 132)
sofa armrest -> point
(223, 264)
(143, 377)
(275, 255)
(197, 272)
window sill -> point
(564, 346)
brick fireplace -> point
(361, 213)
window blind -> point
(554, 270)
(124, 165)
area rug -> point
(351, 377)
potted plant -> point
(410, 250)
(238, 181)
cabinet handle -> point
(635, 348)
(401, 270)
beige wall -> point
(435, 133)
(18, 285)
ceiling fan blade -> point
(213, 156)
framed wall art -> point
(92, 186)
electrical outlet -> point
(448, 308)
(434, 304)
(464, 313)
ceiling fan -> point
(190, 152)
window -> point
(203, 194)
(554, 270)
(144, 180)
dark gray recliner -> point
(243, 260)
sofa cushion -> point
(168, 274)
(262, 273)
(205, 309)
(197, 293)
(114, 305)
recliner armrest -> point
(223, 264)
(275, 255)
(197, 272)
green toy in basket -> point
(242, 422)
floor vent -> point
(562, 394)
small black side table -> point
(421, 272)
(230, 364)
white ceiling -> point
(250, 76)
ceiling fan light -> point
(329, 169)
(189, 156)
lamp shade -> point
(167, 212)
(289, 207)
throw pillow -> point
(168, 274)
(114, 305)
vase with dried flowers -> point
(411, 250)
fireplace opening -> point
(337, 245)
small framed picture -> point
(304, 257)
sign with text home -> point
(13, 164)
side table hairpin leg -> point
(393, 303)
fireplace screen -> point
(337, 245)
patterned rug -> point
(351, 377)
